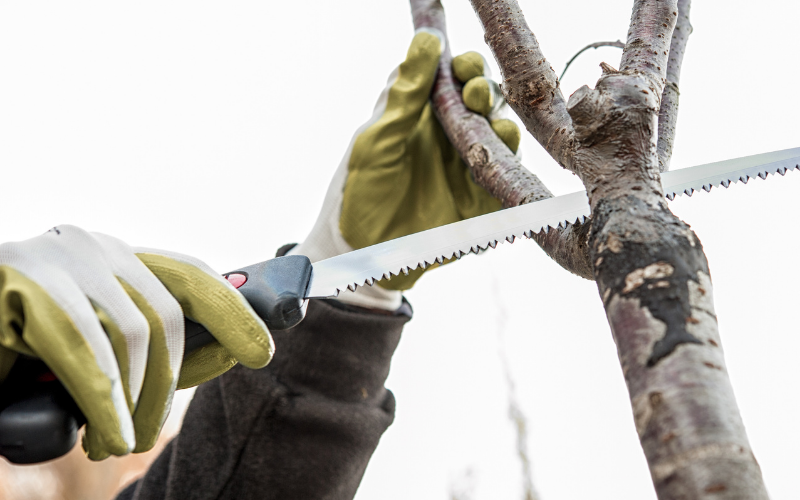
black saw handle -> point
(39, 421)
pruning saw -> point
(39, 421)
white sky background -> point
(213, 129)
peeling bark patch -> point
(690, 236)
(658, 284)
(612, 243)
(654, 271)
(664, 259)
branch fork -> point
(650, 269)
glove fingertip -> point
(98, 446)
(424, 52)
(468, 66)
(204, 364)
(433, 31)
(478, 96)
(259, 349)
(509, 133)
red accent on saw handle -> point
(39, 421)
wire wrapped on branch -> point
(595, 45)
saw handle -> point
(39, 421)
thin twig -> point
(595, 45)
(515, 413)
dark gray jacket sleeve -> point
(304, 427)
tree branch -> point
(492, 164)
(529, 83)
(569, 248)
(668, 114)
(650, 269)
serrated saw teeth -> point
(364, 267)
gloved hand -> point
(400, 174)
(108, 320)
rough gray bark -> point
(651, 272)
(492, 164)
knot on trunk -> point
(616, 125)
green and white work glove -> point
(108, 320)
(400, 174)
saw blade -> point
(723, 173)
(391, 258)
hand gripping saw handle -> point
(39, 421)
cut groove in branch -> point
(595, 45)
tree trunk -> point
(650, 268)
